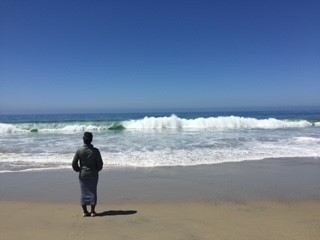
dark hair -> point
(87, 137)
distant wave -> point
(156, 123)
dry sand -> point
(270, 199)
(254, 220)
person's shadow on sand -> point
(116, 213)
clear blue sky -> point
(78, 56)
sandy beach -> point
(269, 199)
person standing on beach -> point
(88, 162)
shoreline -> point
(129, 167)
(269, 179)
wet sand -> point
(269, 199)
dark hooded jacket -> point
(87, 161)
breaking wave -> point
(157, 123)
(231, 122)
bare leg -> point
(93, 213)
(85, 210)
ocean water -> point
(38, 142)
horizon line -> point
(161, 110)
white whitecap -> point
(9, 128)
(230, 122)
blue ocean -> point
(38, 142)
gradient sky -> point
(100, 56)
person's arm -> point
(75, 163)
(99, 161)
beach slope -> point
(269, 199)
